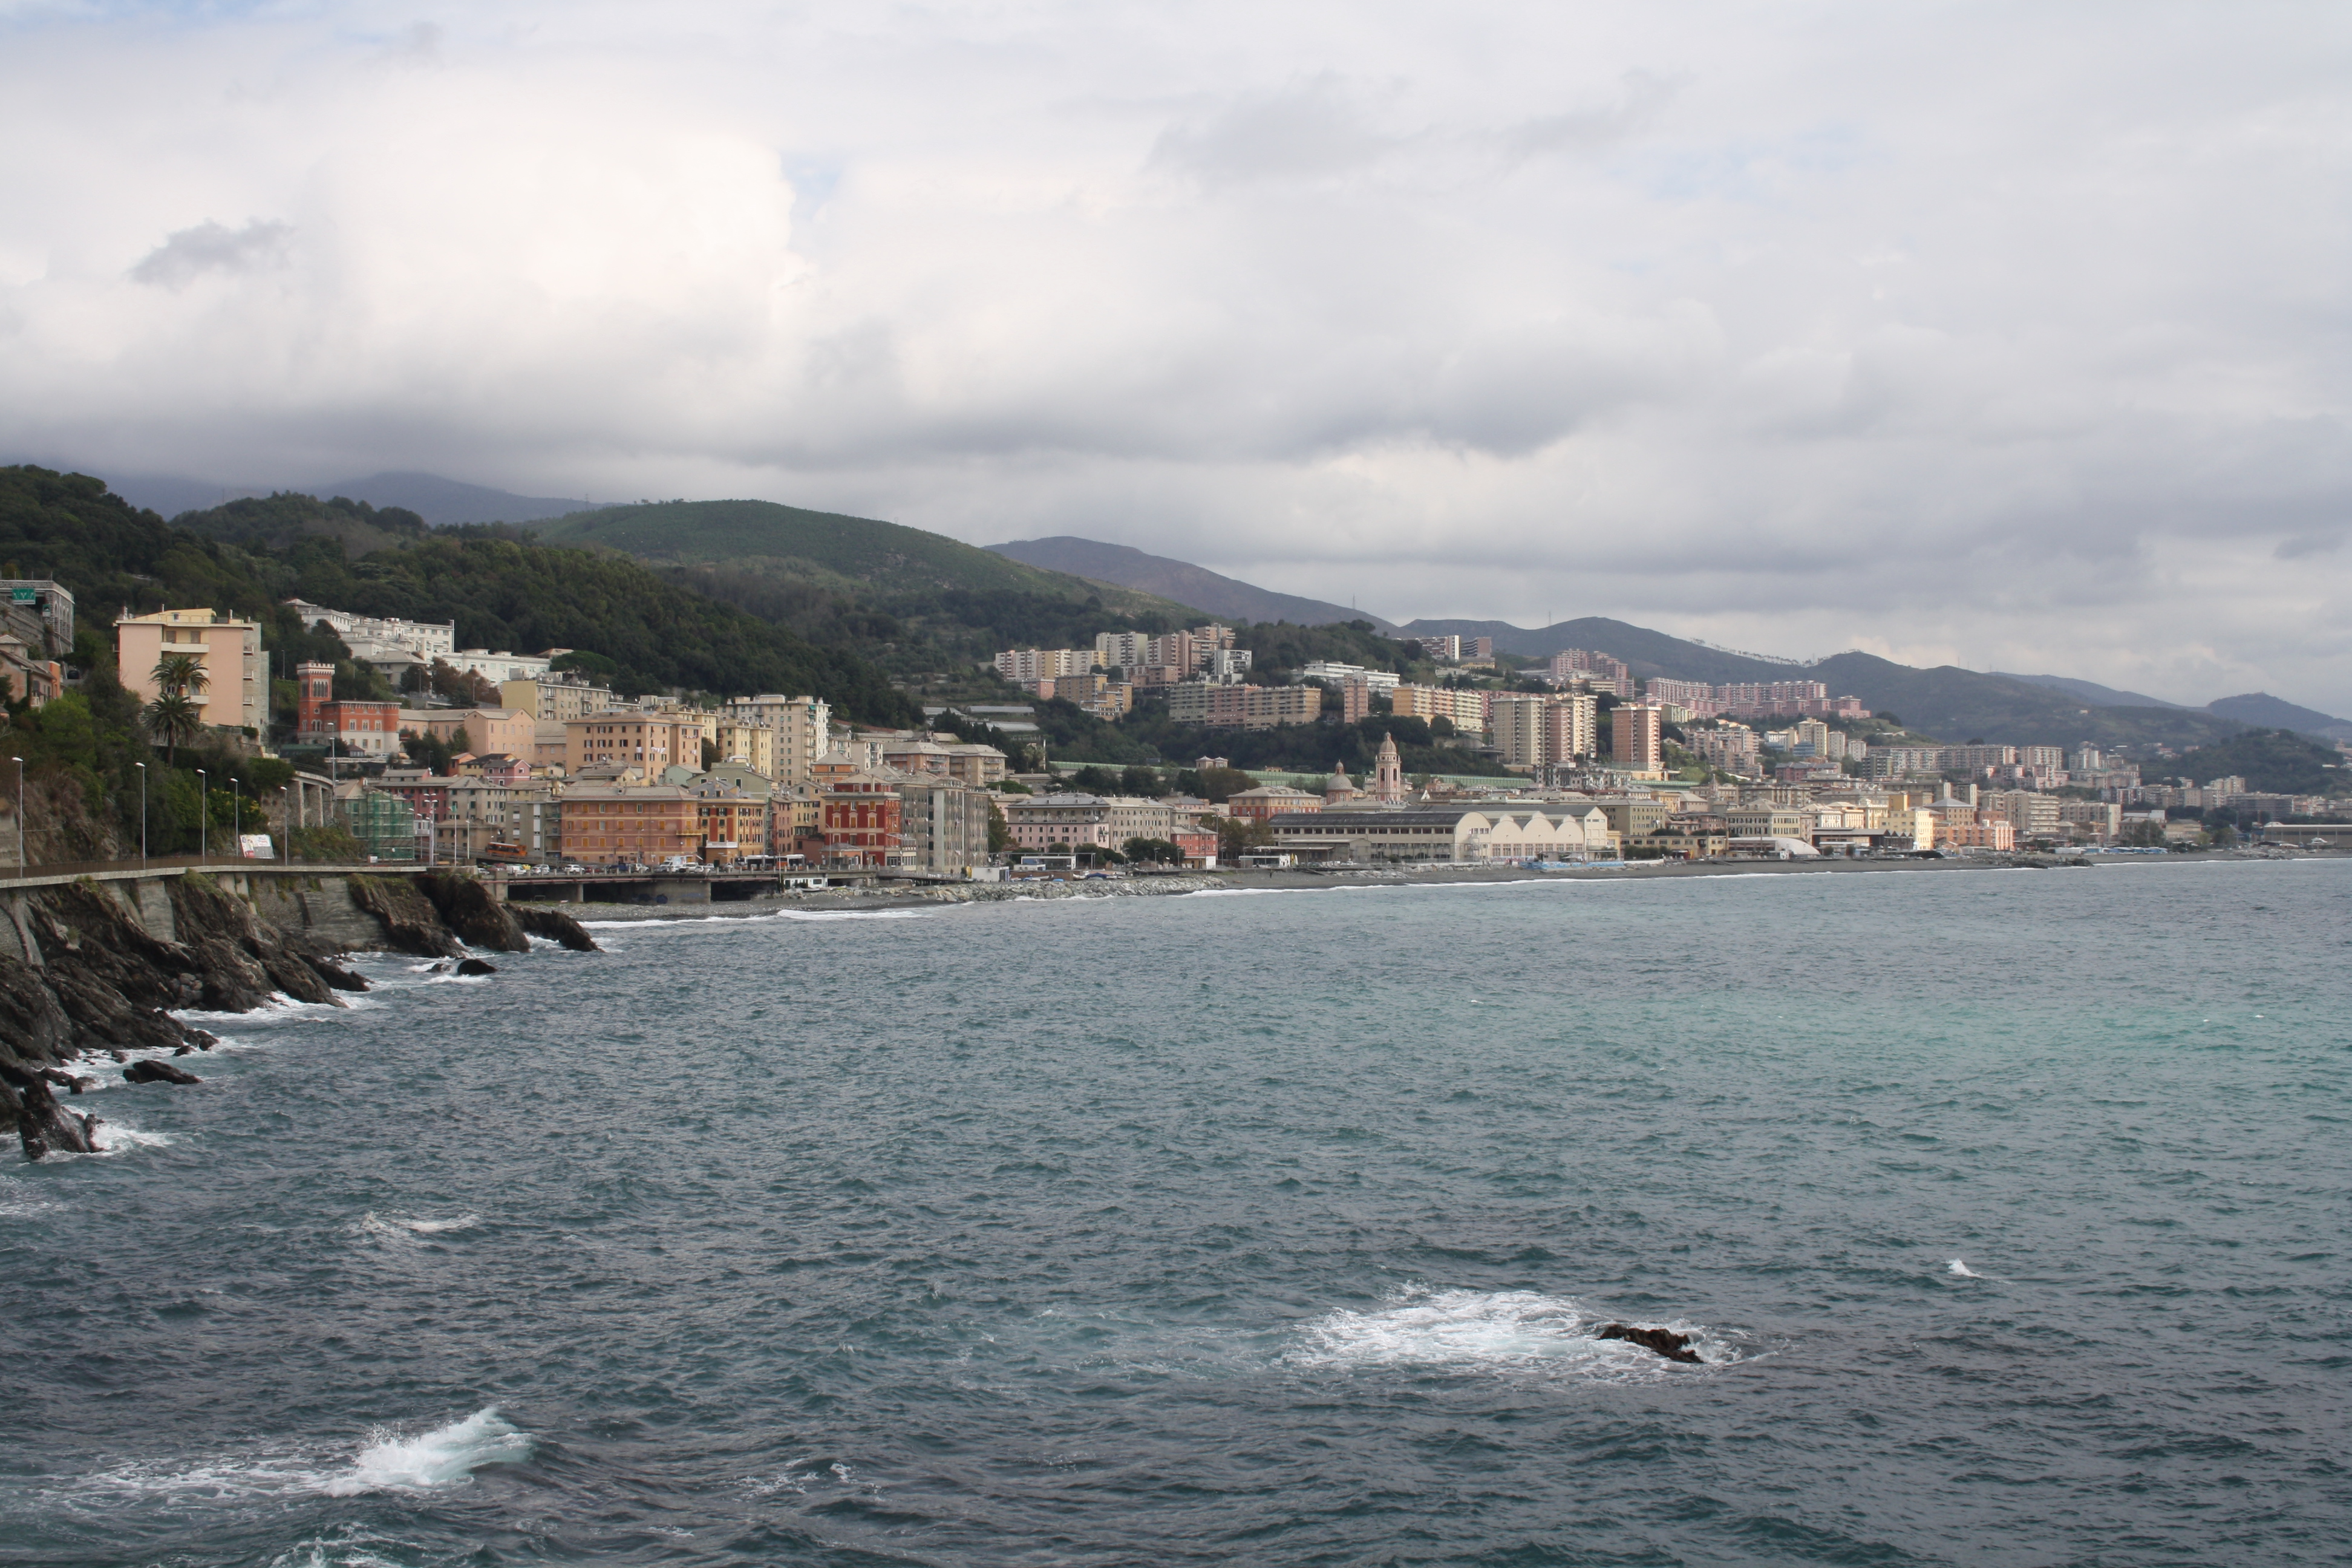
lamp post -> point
(142, 811)
(20, 814)
(204, 816)
(237, 815)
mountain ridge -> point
(1229, 598)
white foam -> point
(371, 1224)
(1494, 1330)
(445, 1457)
(113, 1138)
(1962, 1269)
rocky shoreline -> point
(93, 969)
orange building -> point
(1269, 801)
(864, 819)
(370, 729)
(630, 824)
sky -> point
(2012, 336)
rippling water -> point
(2008, 1209)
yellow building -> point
(647, 741)
(229, 650)
(756, 744)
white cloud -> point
(2012, 334)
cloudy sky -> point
(2012, 336)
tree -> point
(178, 674)
(1095, 781)
(1000, 837)
(171, 720)
(1142, 781)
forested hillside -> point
(82, 751)
(2269, 761)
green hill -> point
(831, 548)
(929, 608)
(1957, 705)
(2270, 760)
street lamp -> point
(142, 811)
(20, 814)
(237, 815)
(204, 816)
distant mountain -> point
(1645, 652)
(1226, 597)
(1958, 705)
(2264, 711)
(2092, 692)
(446, 502)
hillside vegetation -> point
(2273, 762)
(929, 608)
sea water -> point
(2007, 1209)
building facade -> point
(233, 695)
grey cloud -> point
(1310, 130)
(190, 253)
(1643, 100)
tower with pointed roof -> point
(1388, 774)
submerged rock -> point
(476, 966)
(1665, 1341)
(158, 1072)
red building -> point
(864, 822)
(370, 729)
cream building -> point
(556, 696)
(642, 739)
(801, 725)
(229, 650)
(1500, 830)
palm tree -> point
(177, 674)
(172, 719)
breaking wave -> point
(1495, 1329)
(446, 1455)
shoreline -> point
(1180, 884)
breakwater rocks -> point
(103, 968)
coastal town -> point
(489, 757)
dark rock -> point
(44, 1126)
(410, 923)
(65, 1081)
(334, 973)
(470, 910)
(476, 966)
(540, 921)
(441, 968)
(184, 1049)
(202, 1040)
(1665, 1341)
(158, 1072)
(104, 1020)
(33, 1026)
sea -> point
(2005, 1208)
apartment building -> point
(228, 650)
(943, 823)
(630, 823)
(1030, 665)
(803, 726)
(1244, 707)
(649, 741)
(1729, 746)
(1461, 706)
(864, 820)
(1635, 740)
(427, 639)
(556, 696)
(486, 729)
